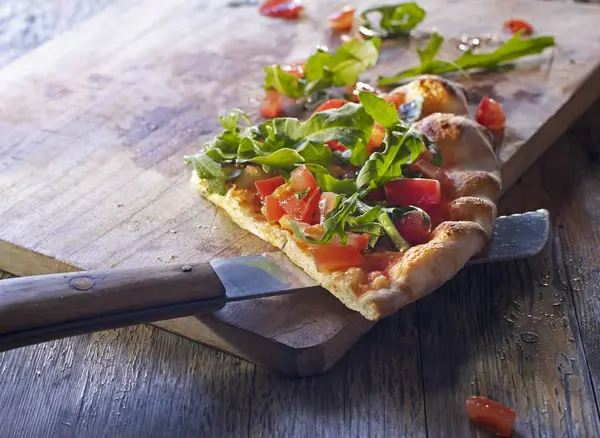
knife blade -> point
(46, 307)
(260, 275)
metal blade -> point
(262, 275)
(515, 237)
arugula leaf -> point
(395, 20)
(232, 120)
(284, 82)
(315, 153)
(328, 183)
(384, 113)
(208, 170)
(402, 146)
(516, 47)
(282, 159)
(351, 59)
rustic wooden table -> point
(525, 333)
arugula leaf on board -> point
(324, 69)
(394, 21)
(382, 112)
(516, 47)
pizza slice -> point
(378, 210)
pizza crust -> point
(471, 178)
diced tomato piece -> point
(377, 195)
(302, 179)
(419, 192)
(397, 99)
(273, 210)
(296, 69)
(289, 9)
(358, 241)
(412, 227)
(490, 114)
(380, 260)
(271, 105)
(424, 166)
(266, 187)
(342, 21)
(335, 145)
(335, 257)
(516, 25)
(491, 415)
(331, 104)
(376, 139)
(327, 203)
(438, 213)
(302, 208)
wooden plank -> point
(522, 336)
(103, 132)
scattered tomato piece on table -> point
(342, 20)
(490, 114)
(491, 415)
(516, 25)
(289, 9)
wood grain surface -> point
(104, 131)
(512, 331)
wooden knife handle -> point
(41, 308)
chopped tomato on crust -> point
(380, 261)
(377, 195)
(327, 203)
(273, 210)
(515, 25)
(413, 228)
(419, 192)
(376, 139)
(342, 20)
(331, 104)
(302, 179)
(358, 241)
(490, 114)
(289, 9)
(335, 257)
(397, 99)
(335, 145)
(271, 105)
(266, 187)
(302, 207)
(491, 415)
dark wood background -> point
(525, 333)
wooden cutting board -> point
(95, 123)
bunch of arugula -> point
(281, 144)
(516, 47)
(324, 70)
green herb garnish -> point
(395, 20)
(516, 47)
(325, 69)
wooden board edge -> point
(285, 359)
(584, 96)
(22, 262)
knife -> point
(46, 307)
